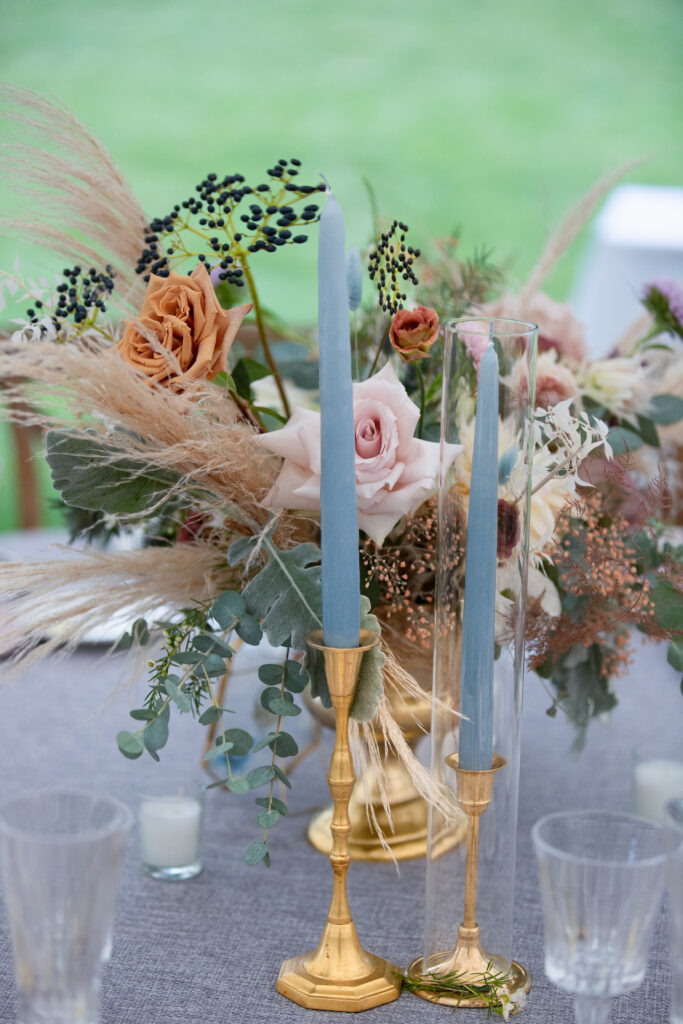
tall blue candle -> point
(475, 747)
(338, 513)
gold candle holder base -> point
(468, 960)
(340, 974)
(518, 978)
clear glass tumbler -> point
(60, 859)
(170, 814)
(602, 878)
(674, 837)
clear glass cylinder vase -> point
(502, 647)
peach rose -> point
(183, 333)
(395, 472)
(413, 332)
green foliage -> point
(490, 987)
(285, 595)
(369, 686)
(90, 473)
(666, 409)
(247, 371)
(668, 603)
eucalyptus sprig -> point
(196, 652)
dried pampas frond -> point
(575, 220)
(198, 434)
(368, 757)
(51, 606)
(80, 204)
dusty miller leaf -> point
(369, 687)
(285, 595)
(90, 473)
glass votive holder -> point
(674, 837)
(657, 778)
(170, 814)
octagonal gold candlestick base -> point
(339, 974)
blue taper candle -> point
(475, 747)
(338, 513)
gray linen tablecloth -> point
(208, 951)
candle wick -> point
(328, 188)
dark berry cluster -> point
(224, 233)
(81, 294)
(390, 263)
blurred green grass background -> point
(492, 117)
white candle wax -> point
(169, 831)
(657, 782)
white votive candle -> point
(170, 829)
(656, 782)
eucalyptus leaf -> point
(255, 853)
(213, 665)
(648, 431)
(263, 742)
(269, 695)
(284, 706)
(284, 745)
(675, 655)
(277, 805)
(178, 696)
(142, 714)
(281, 776)
(261, 775)
(140, 632)
(155, 735)
(241, 741)
(237, 784)
(270, 674)
(131, 746)
(666, 409)
(209, 644)
(210, 715)
(266, 819)
(296, 677)
(624, 440)
(249, 630)
(668, 602)
(217, 751)
(227, 607)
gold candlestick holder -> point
(340, 974)
(468, 960)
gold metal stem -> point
(471, 872)
(468, 959)
(339, 974)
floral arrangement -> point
(174, 407)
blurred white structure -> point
(637, 237)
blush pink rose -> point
(558, 328)
(395, 472)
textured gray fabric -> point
(208, 951)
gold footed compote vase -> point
(406, 833)
(339, 974)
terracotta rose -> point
(413, 332)
(183, 333)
